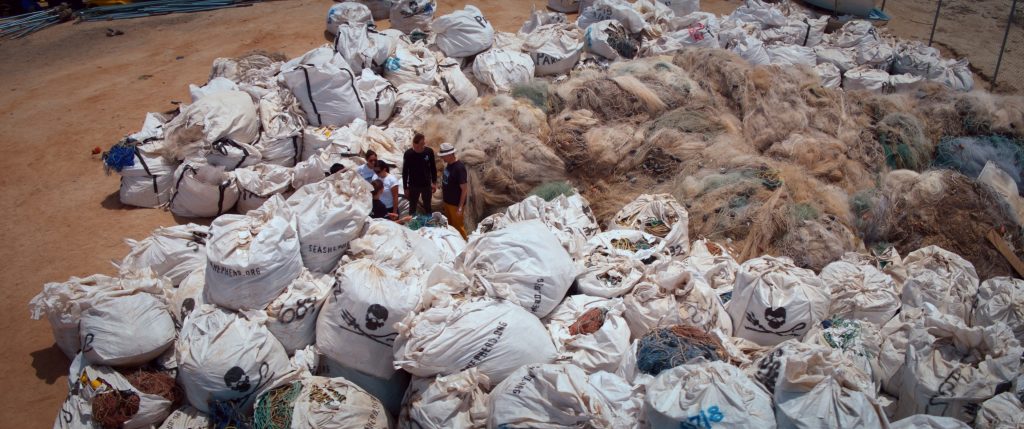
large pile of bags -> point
(711, 270)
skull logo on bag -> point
(776, 317)
(236, 379)
(376, 315)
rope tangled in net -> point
(665, 348)
(656, 227)
(113, 408)
(274, 410)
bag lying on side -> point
(501, 69)
(127, 327)
(941, 278)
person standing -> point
(419, 174)
(454, 188)
(390, 182)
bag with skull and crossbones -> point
(774, 301)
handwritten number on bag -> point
(704, 420)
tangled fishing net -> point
(274, 409)
(665, 348)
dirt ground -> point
(69, 89)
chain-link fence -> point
(974, 29)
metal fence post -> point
(935, 22)
(1002, 48)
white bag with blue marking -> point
(707, 395)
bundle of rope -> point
(665, 348)
(274, 410)
(111, 409)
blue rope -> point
(228, 415)
(119, 156)
(662, 349)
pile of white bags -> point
(228, 356)
(463, 33)
(172, 252)
(773, 301)
(590, 332)
(497, 337)
(330, 214)
(707, 394)
(202, 190)
(458, 400)
(292, 316)
(253, 258)
(522, 263)
(325, 86)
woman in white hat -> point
(454, 188)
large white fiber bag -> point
(352, 42)
(866, 79)
(501, 69)
(282, 121)
(347, 140)
(898, 334)
(463, 33)
(918, 59)
(1001, 299)
(495, 336)
(750, 49)
(186, 417)
(523, 263)
(619, 11)
(325, 86)
(924, 421)
(409, 15)
(675, 294)
(548, 395)
(411, 64)
(714, 262)
(253, 258)
(258, 183)
(63, 303)
(774, 301)
(455, 83)
(861, 292)
(292, 315)
(393, 245)
(958, 370)
(149, 180)
(417, 102)
(448, 241)
(189, 295)
(126, 327)
(830, 75)
(941, 278)
(707, 394)
(228, 356)
(172, 252)
(659, 215)
(569, 218)
(223, 115)
(337, 403)
(554, 48)
(610, 40)
(202, 190)
(348, 13)
(318, 168)
(589, 332)
(824, 401)
(231, 155)
(783, 54)
(877, 55)
(1002, 411)
(843, 58)
(87, 382)
(454, 401)
(859, 341)
(378, 97)
(356, 327)
(330, 213)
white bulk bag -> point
(877, 55)
(924, 421)
(172, 252)
(713, 262)
(569, 218)
(707, 394)
(463, 33)
(618, 11)
(815, 360)
(352, 42)
(448, 241)
(774, 301)
(589, 332)
(553, 395)
(292, 316)
(348, 13)
(918, 59)
(554, 48)
(216, 84)
(830, 75)
(126, 327)
(843, 58)
(1001, 299)
(455, 401)
(859, 341)
(956, 75)
(389, 391)
(495, 336)
(253, 258)
(675, 294)
(455, 83)
(958, 370)
(523, 263)
(393, 245)
(416, 103)
(409, 15)
(659, 215)
(941, 278)
(813, 401)
(325, 86)
(378, 97)
(609, 276)
(564, 6)
(610, 40)
(202, 190)
(189, 295)
(347, 140)
(228, 356)
(356, 327)
(867, 79)
(502, 69)
(283, 151)
(149, 180)
(231, 155)
(792, 55)
(860, 292)
(898, 334)
(411, 64)
(258, 183)
(750, 49)
(330, 213)
(318, 168)
(337, 403)
(86, 382)
(186, 417)
(1002, 411)
(855, 33)
(223, 115)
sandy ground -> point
(69, 89)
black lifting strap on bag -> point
(295, 147)
(309, 91)
(352, 81)
(380, 94)
(146, 167)
(222, 147)
(177, 183)
(220, 198)
(808, 34)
